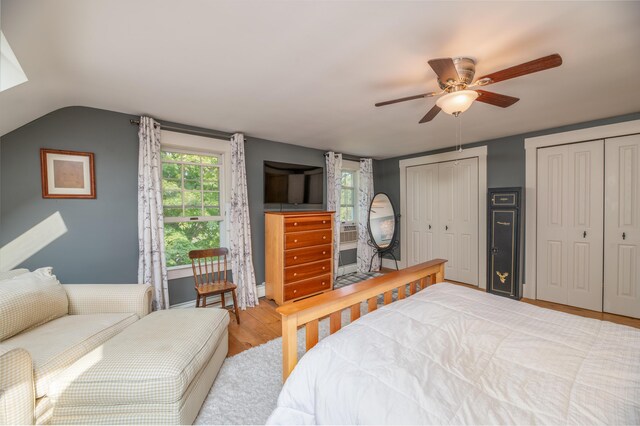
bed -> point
(453, 355)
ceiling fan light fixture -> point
(455, 103)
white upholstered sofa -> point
(93, 353)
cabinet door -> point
(622, 226)
(447, 245)
(422, 196)
(569, 240)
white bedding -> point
(452, 355)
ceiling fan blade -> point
(445, 69)
(431, 114)
(496, 99)
(530, 67)
(408, 98)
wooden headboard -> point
(306, 313)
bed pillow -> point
(7, 275)
(29, 300)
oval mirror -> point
(382, 221)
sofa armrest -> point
(109, 298)
(17, 393)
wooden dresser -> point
(298, 254)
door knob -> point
(429, 226)
(584, 234)
(446, 227)
(624, 236)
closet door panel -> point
(466, 221)
(422, 189)
(414, 189)
(430, 207)
(552, 188)
(585, 231)
(622, 226)
(447, 247)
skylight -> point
(11, 73)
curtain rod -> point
(216, 135)
(349, 157)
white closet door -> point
(570, 229)
(622, 226)
(422, 212)
(466, 223)
(447, 191)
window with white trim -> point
(349, 204)
(348, 195)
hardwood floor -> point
(260, 324)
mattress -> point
(453, 355)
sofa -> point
(95, 353)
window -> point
(192, 198)
(348, 197)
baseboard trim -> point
(192, 303)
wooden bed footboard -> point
(306, 313)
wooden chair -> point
(209, 283)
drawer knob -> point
(295, 273)
(295, 257)
(295, 223)
(324, 221)
(295, 291)
(324, 237)
(323, 283)
(324, 252)
(295, 241)
(324, 267)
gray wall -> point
(101, 243)
(505, 160)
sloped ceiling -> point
(308, 73)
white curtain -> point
(334, 187)
(240, 239)
(365, 195)
(152, 266)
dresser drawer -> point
(307, 287)
(306, 239)
(295, 224)
(306, 255)
(308, 270)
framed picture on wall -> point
(67, 174)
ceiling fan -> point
(455, 77)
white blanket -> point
(452, 355)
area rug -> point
(248, 384)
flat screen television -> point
(295, 184)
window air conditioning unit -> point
(348, 234)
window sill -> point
(348, 246)
(175, 272)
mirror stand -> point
(382, 224)
(380, 252)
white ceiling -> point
(308, 73)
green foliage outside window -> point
(191, 204)
(347, 196)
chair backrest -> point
(203, 261)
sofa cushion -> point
(7, 275)
(29, 300)
(151, 362)
(59, 343)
